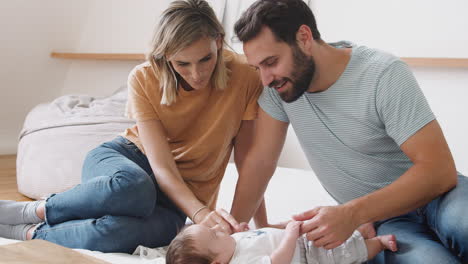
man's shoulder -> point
(372, 59)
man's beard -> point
(303, 72)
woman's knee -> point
(135, 189)
(135, 181)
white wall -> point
(417, 28)
(111, 27)
(31, 29)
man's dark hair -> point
(283, 17)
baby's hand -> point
(294, 228)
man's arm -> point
(432, 174)
(242, 144)
(260, 216)
(258, 165)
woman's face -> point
(196, 63)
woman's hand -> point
(222, 219)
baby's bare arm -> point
(285, 252)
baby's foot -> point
(367, 230)
(388, 242)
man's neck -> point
(330, 63)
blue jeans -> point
(117, 207)
(436, 233)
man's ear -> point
(304, 36)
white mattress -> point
(290, 191)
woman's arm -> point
(153, 138)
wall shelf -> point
(437, 62)
(99, 56)
(412, 61)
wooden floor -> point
(8, 188)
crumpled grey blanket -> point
(155, 255)
(72, 110)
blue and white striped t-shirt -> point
(352, 131)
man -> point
(367, 131)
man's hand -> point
(327, 226)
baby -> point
(200, 244)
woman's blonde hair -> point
(183, 23)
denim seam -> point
(59, 228)
(36, 231)
(45, 207)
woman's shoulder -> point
(141, 69)
(143, 76)
(234, 59)
(238, 66)
(144, 72)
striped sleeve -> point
(400, 103)
(271, 103)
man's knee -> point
(428, 252)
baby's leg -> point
(379, 243)
(367, 230)
(353, 250)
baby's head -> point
(199, 244)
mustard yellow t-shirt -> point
(201, 125)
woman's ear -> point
(219, 42)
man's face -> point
(282, 67)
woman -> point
(193, 103)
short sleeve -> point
(254, 89)
(139, 106)
(271, 103)
(400, 103)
